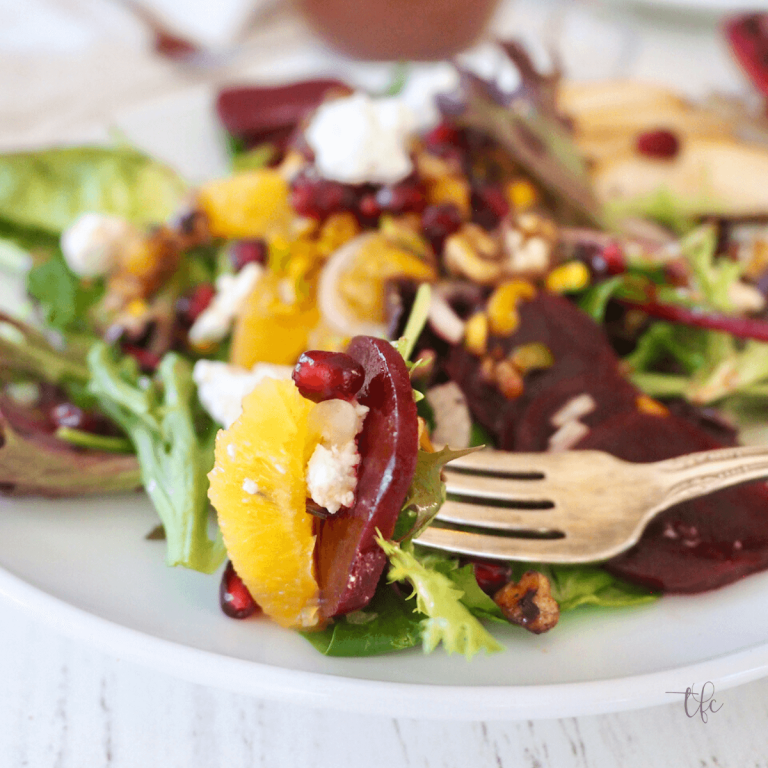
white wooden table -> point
(64, 704)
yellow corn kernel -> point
(521, 194)
(136, 308)
(451, 189)
(502, 306)
(571, 276)
(338, 229)
(529, 356)
(650, 406)
(476, 333)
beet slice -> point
(258, 114)
(747, 35)
(700, 544)
(349, 561)
(612, 394)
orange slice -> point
(259, 491)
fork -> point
(574, 506)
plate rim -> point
(377, 697)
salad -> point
(303, 345)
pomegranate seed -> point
(245, 252)
(326, 375)
(234, 597)
(369, 207)
(440, 221)
(489, 205)
(317, 198)
(615, 262)
(400, 198)
(147, 360)
(443, 134)
(661, 144)
(192, 305)
(491, 577)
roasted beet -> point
(697, 545)
(349, 561)
(272, 113)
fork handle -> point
(698, 474)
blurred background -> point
(69, 66)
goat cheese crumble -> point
(357, 139)
(92, 244)
(332, 468)
(221, 387)
(215, 321)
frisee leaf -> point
(449, 622)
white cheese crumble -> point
(357, 139)
(221, 387)
(215, 322)
(332, 468)
(453, 423)
(92, 244)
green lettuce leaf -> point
(574, 586)
(448, 620)
(160, 416)
(46, 191)
(388, 623)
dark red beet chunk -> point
(349, 561)
(247, 252)
(694, 546)
(234, 597)
(661, 144)
(262, 114)
(325, 375)
(748, 37)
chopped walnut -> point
(529, 603)
(529, 240)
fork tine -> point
(517, 493)
(499, 518)
(487, 547)
(502, 463)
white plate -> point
(85, 567)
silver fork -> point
(575, 506)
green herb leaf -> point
(253, 159)
(46, 191)
(595, 299)
(64, 300)
(415, 325)
(448, 620)
(426, 493)
(159, 417)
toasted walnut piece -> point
(529, 240)
(529, 603)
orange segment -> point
(250, 204)
(271, 330)
(259, 491)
